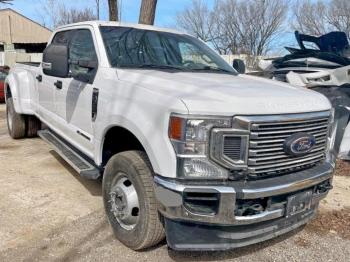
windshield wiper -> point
(155, 66)
(210, 68)
(161, 66)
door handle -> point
(39, 78)
(58, 84)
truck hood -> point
(224, 94)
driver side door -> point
(73, 101)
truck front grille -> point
(255, 144)
(266, 155)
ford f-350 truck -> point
(188, 149)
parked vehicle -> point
(321, 64)
(3, 73)
(188, 148)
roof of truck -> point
(122, 24)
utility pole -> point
(98, 9)
(147, 12)
(113, 10)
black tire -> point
(16, 123)
(148, 230)
(33, 126)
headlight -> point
(190, 138)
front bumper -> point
(172, 197)
(200, 237)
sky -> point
(165, 16)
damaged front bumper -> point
(239, 213)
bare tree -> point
(194, 20)
(317, 18)
(198, 20)
(311, 17)
(236, 26)
(73, 15)
(113, 10)
(338, 15)
(147, 12)
(56, 13)
(48, 13)
(261, 22)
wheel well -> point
(119, 139)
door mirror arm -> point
(84, 63)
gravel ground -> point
(49, 213)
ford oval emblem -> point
(299, 144)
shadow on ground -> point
(93, 186)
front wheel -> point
(130, 202)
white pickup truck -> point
(188, 149)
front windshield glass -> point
(138, 48)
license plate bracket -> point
(298, 203)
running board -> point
(82, 166)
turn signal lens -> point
(176, 128)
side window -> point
(61, 38)
(82, 52)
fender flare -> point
(11, 84)
(133, 129)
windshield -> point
(138, 48)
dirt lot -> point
(48, 213)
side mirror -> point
(239, 65)
(55, 61)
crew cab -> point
(188, 148)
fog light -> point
(200, 168)
(205, 203)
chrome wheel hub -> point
(124, 202)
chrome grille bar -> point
(285, 169)
(276, 125)
(278, 143)
(279, 155)
(260, 136)
(278, 159)
(266, 155)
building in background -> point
(21, 39)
